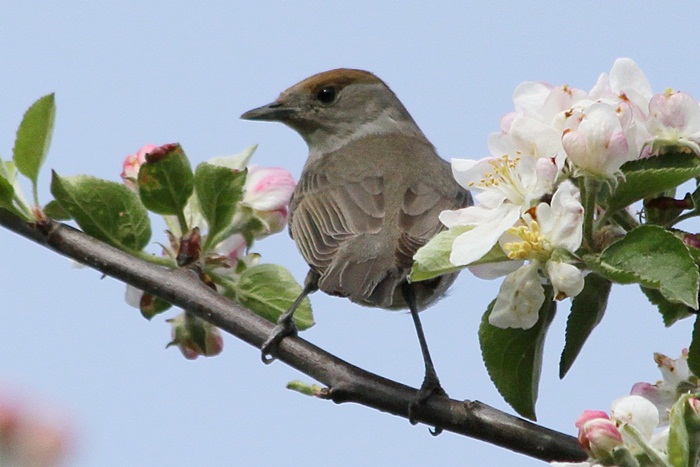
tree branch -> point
(346, 382)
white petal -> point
(472, 245)
(489, 271)
(566, 278)
(519, 299)
(636, 411)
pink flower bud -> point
(268, 189)
(597, 434)
(132, 164)
(595, 140)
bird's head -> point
(336, 107)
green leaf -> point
(34, 137)
(433, 259)
(513, 357)
(670, 312)
(694, 349)
(106, 210)
(269, 290)
(678, 439)
(54, 211)
(218, 189)
(653, 257)
(652, 175)
(166, 180)
(587, 310)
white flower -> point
(508, 188)
(546, 240)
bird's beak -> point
(275, 112)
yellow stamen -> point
(534, 245)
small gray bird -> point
(369, 196)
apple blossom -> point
(547, 239)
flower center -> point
(534, 245)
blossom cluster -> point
(557, 142)
(261, 211)
(638, 430)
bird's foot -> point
(285, 327)
(431, 387)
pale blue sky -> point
(129, 73)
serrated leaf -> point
(652, 175)
(218, 189)
(513, 357)
(670, 312)
(653, 257)
(433, 259)
(694, 349)
(106, 210)
(678, 439)
(166, 180)
(587, 309)
(34, 137)
(269, 290)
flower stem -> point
(589, 190)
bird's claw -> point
(430, 387)
(282, 330)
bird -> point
(368, 198)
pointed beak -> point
(274, 112)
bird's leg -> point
(431, 383)
(285, 323)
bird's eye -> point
(326, 95)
